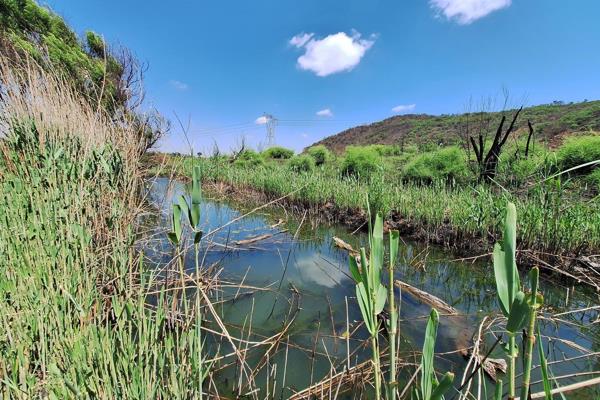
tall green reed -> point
(519, 308)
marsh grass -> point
(551, 218)
(74, 292)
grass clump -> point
(360, 162)
(446, 164)
(278, 153)
(320, 154)
(249, 158)
(302, 163)
(578, 150)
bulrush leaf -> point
(354, 271)
(380, 299)
(377, 250)
(509, 243)
(427, 372)
(196, 198)
(500, 274)
(365, 306)
(394, 245)
(196, 193)
(182, 202)
(518, 313)
(505, 266)
(544, 368)
(364, 267)
(177, 229)
(442, 387)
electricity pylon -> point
(271, 123)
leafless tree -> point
(476, 134)
(239, 148)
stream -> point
(310, 292)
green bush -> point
(302, 163)
(278, 153)
(444, 164)
(320, 154)
(386, 150)
(578, 150)
(249, 158)
(594, 179)
(361, 161)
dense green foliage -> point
(278, 153)
(302, 163)
(361, 162)
(320, 153)
(578, 150)
(446, 164)
(35, 31)
(249, 158)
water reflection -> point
(309, 282)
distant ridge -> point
(551, 122)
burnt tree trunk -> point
(528, 138)
(488, 165)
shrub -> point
(444, 164)
(278, 153)
(302, 163)
(320, 154)
(249, 158)
(361, 161)
(579, 150)
(594, 179)
(386, 150)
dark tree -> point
(487, 161)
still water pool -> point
(295, 279)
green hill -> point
(550, 122)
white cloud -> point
(261, 120)
(466, 11)
(181, 86)
(404, 108)
(305, 135)
(332, 54)
(325, 113)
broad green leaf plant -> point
(372, 295)
(519, 308)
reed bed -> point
(73, 290)
(551, 220)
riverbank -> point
(555, 227)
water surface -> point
(308, 282)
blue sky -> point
(321, 66)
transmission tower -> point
(271, 123)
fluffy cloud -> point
(325, 113)
(404, 108)
(332, 54)
(261, 120)
(179, 85)
(466, 11)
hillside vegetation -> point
(103, 75)
(550, 121)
